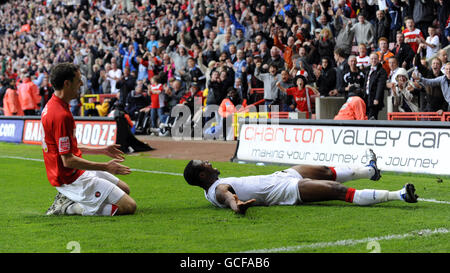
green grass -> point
(173, 217)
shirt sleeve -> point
(63, 131)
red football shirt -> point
(58, 138)
(301, 99)
(155, 90)
(413, 38)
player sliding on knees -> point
(84, 187)
(296, 185)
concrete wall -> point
(328, 107)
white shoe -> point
(60, 205)
(373, 163)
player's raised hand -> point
(114, 152)
(114, 167)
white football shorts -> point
(92, 189)
(285, 190)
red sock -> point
(114, 209)
(350, 194)
(333, 171)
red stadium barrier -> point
(278, 114)
(424, 116)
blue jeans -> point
(155, 113)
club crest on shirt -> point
(64, 144)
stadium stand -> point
(214, 46)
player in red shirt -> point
(84, 187)
(303, 95)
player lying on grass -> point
(84, 187)
(294, 186)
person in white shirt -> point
(113, 77)
(294, 186)
(432, 42)
(362, 60)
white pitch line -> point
(350, 242)
(434, 201)
(157, 172)
(179, 174)
(136, 170)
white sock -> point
(75, 209)
(370, 197)
(344, 174)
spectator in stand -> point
(303, 95)
(354, 76)
(374, 87)
(286, 103)
(403, 51)
(364, 31)
(174, 91)
(345, 33)
(384, 54)
(270, 89)
(443, 56)
(194, 75)
(362, 60)
(126, 83)
(45, 91)
(275, 59)
(404, 93)
(393, 69)
(443, 16)
(325, 45)
(341, 68)
(113, 76)
(435, 101)
(395, 13)
(288, 49)
(215, 89)
(179, 58)
(155, 91)
(11, 103)
(413, 35)
(136, 101)
(29, 98)
(423, 14)
(326, 79)
(382, 25)
(432, 42)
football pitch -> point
(173, 217)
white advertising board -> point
(415, 150)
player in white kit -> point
(294, 186)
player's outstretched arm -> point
(226, 197)
(112, 166)
(111, 151)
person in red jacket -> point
(303, 95)
(354, 108)
(29, 97)
(11, 104)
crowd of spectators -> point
(155, 54)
